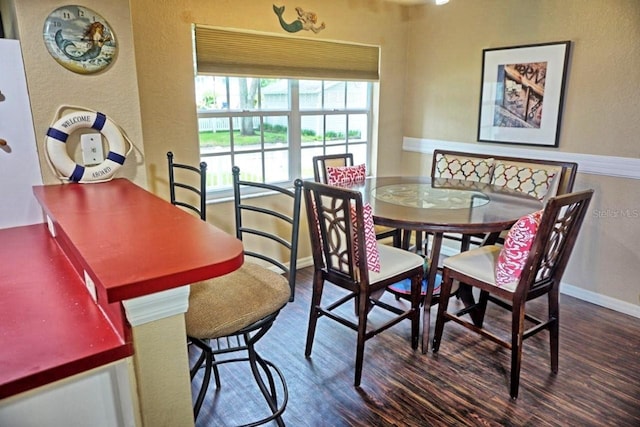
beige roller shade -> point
(227, 52)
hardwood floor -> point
(466, 383)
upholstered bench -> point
(539, 178)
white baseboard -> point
(622, 167)
(601, 300)
(305, 262)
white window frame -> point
(294, 114)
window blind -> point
(228, 52)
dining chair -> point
(529, 265)
(228, 315)
(345, 160)
(347, 255)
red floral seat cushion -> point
(515, 251)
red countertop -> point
(134, 243)
(131, 242)
(50, 328)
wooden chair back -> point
(552, 246)
(331, 230)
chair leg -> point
(445, 292)
(208, 359)
(517, 331)
(362, 330)
(554, 329)
(397, 238)
(406, 239)
(270, 394)
(416, 296)
(419, 245)
(316, 298)
(481, 309)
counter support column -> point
(160, 358)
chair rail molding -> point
(621, 167)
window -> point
(272, 127)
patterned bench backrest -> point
(467, 168)
(540, 178)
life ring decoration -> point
(56, 146)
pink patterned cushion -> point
(371, 244)
(337, 175)
(516, 248)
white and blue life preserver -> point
(56, 147)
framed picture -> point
(521, 93)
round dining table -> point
(438, 206)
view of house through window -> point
(271, 128)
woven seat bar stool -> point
(228, 315)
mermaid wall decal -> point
(305, 21)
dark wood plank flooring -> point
(466, 383)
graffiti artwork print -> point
(522, 93)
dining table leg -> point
(434, 256)
(464, 291)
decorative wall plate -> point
(79, 39)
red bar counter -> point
(128, 242)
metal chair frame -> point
(268, 377)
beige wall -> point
(602, 101)
(113, 91)
(162, 35)
(601, 96)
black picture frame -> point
(522, 93)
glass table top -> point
(426, 197)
